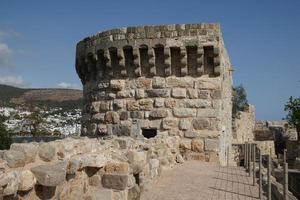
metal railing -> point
(252, 154)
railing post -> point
(254, 158)
(285, 176)
(250, 158)
(246, 156)
(228, 156)
(269, 176)
(260, 175)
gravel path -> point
(196, 180)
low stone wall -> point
(90, 169)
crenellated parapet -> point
(179, 50)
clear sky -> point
(38, 38)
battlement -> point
(179, 50)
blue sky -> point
(38, 38)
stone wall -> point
(174, 79)
(243, 128)
(114, 169)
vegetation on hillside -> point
(292, 107)
(5, 136)
(239, 102)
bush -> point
(240, 102)
(292, 107)
(5, 136)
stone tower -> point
(156, 80)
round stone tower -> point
(157, 80)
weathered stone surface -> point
(126, 94)
(179, 92)
(184, 112)
(159, 102)
(158, 93)
(158, 82)
(201, 123)
(195, 156)
(140, 93)
(208, 83)
(95, 180)
(169, 123)
(190, 134)
(196, 103)
(179, 159)
(159, 113)
(192, 93)
(121, 130)
(184, 124)
(184, 82)
(115, 181)
(185, 144)
(146, 104)
(124, 115)
(118, 104)
(47, 152)
(100, 193)
(29, 150)
(117, 168)
(204, 94)
(144, 83)
(207, 113)
(117, 84)
(134, 193)
(197, 145)
(112, 117)
(78, 162)
(211, 144)
(14, 158)
(153, 163)
(105, 106)
(50, 175)
(10, 181)
(216, 94)
(170, 103)
(137, 114)
(27, 180)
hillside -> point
(47, 97)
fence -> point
(252, 157)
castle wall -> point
(173, 79)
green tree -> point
(292, 107)
(5, 136)
(239, 102)
(34, 122)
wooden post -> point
(254, 158)
(228, 156)
(269, 176)
(285, 176)
(246, 156)
(260, 175)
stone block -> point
(183, 82)
(170, 103)
(95, 180)
(137, 157)
(27, 180)
(124, 115)
(29, 150)
(14, 158)
(134, 193)
(184, 112)
(116, 84)
(140, 93)
(50, 175)
(117, 168)
(97, 193)
(95, 107)
(156, 124)
(190, 134)
(112, 117)
(137, 114)
(159, 113)
(146, 104)
(179, 93)
(158, 82)
(47, 152)
(212, 157)
(126, 94)
(179, 159)
(201, 123)
(211, 144)
(192, 93)
(197, 103)
(9, 183)
(197, 145)
(208, 83)
(121, 130)
(132, 105)
(195, 156)
(158, 93)
(144, 83)
(105, 106)
(103, 85)
(185, 144)
(154, 163)
(204, 94)
(207, 113)
(159, 102)
(208, 133)
(184, 124)
(115, 181)
(216, 94)
(169, 123)
(118, 104)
